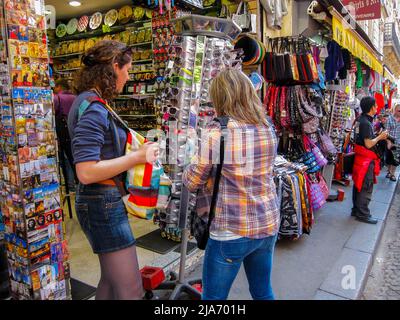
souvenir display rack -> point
(37, 251)
(186, 109)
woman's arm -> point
(95, 171)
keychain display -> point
(29, 186)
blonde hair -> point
(234, 96)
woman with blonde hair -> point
(246, 221)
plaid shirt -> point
(247, 203)
(394, 128)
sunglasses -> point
(174, 91)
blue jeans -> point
(222, 262)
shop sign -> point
(363, 9)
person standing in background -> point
(393, 126)
(63, 100)
(366, 162)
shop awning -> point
(387, 74)
(347, 37)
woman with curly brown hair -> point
(98, 142)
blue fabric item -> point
(334, 62)
(91, 137)
(222, 262)
(103, 218)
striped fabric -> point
(247, 203)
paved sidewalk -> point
(384, 279)
(338, 247)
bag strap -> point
(347, 140)
(224, 124)
(239, 8)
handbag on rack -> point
(200, 228)
(311, 146)
(242, 17)
(319, 191)
(326, 144)
(278, 61)
(269, 70)
(288, 70)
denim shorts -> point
(103, 218)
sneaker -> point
(393, 178)
(388, 175)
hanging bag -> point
(311, 146)
(279, 61)
(327, 146)
(285, 45)
(269, 69)
(200, 229)
(319, 191)
(242, 17)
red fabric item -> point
(380, 101)
(373, 79)
(363, 158)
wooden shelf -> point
(99, 31)
(138, 61)
(67, 55)
(145, 71)
(136, 96)
(138, 115)
(140, 44)
(66, 70)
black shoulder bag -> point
(199, 228)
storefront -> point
(310, 101)
(60, 244)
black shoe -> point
(369, 220)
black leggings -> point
(120, 276)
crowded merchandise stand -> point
(37, 252)
(310, 85)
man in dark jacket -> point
(366, 163)
(63, 99)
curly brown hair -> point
(98, 68)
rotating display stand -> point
(37, 252)
(187, 112)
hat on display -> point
(254, 49)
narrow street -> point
(384, 279)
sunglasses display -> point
(185, 107)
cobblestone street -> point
(384, 279)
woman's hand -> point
(148, 152)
